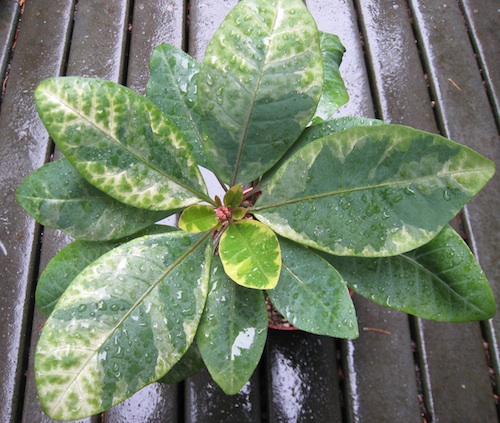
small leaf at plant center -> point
(251, 254)
(234, 196)
(239, 213)
(198, 218)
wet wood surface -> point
(421, 63)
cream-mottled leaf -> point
(251, 254)
(122, 324)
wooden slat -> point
(339, 17)
(9, 14)
(483, 19)
(456, 368)
(40, 53)
(205, 18)
(153, 23)
(205, 402)
(93, 53)
(302, 382)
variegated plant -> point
(312, 206)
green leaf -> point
(120, 142)
(250, 253)
(321, 130)
(172, 86)
(122, 324)
(239, 213)
(57, 196)
(198, 218)
(190, 364)
(234, 196)
(70, 261)
(232, 331)
(259, 85)
(371, 191)
(334, 91)
(312, 295)
(439, 281)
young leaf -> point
(234, 196)
(239, 213)
(372, 192)
(259, 85)
(172, 86)
(251, 255)
(57, 196)
(146, 165)
(190, 364)
(232, 331)
(122, 324)
(312, 295)
(334, 92)
(70, 261)
(198, 218)
(439, 281)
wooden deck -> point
(430, 64)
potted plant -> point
(312, 206)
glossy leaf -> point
(190, 364)
(239, 213)
(259, 85)
(234, 196)
(439, 281)
(198, 218)
(374, 192)
(321, 130)
(232, 331)
(122, 324)
(57, 196)
(312, 295)
(334, 91)
(251, 254)
(70, 261)
(172, 86)
(146, 164)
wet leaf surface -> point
(259, 84)
(411, 184)
(122, 324)
(232, 332)
(250, 254)
(440, 281)
(312, 295)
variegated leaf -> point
(232, 331)
(172, 86)
(334, 91)
(312, 295)
(198, 218)
(70, 261)
(120, 142)
(122, 324)
(321, 130)
(259, 85)
(250, 254)
(374, 192)
(439, 281)
(57, 196)
(190, 364)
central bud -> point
(224, 213)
